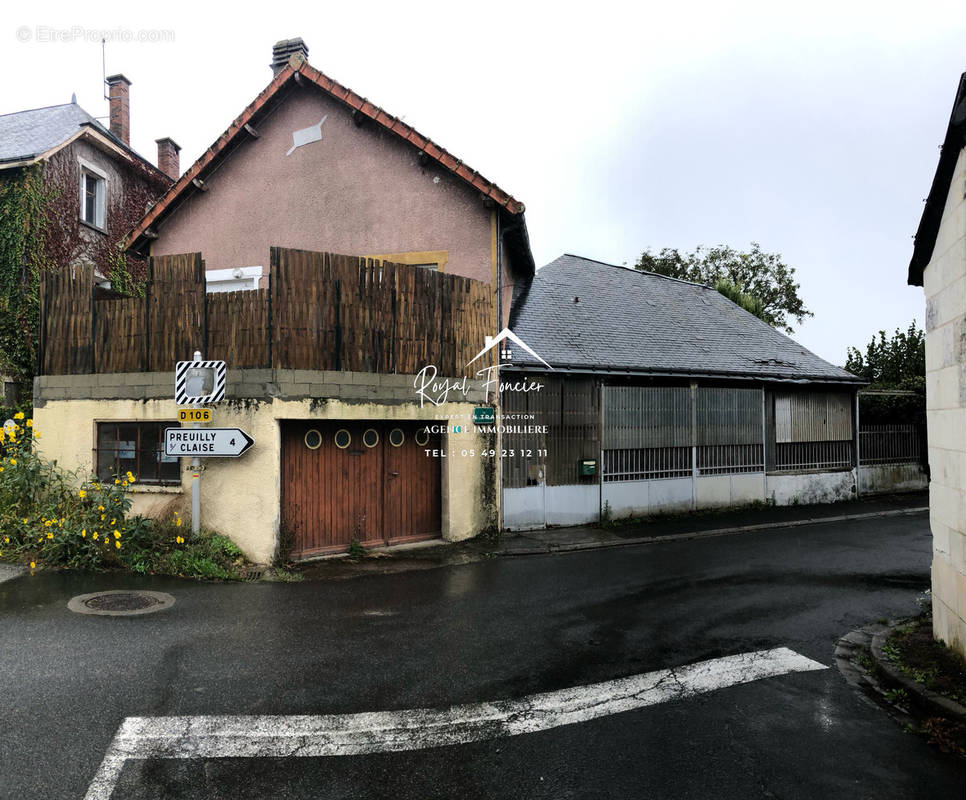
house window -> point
(136, 447)
(427, 259)
(93, 193)
(235, 279)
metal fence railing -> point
(813, 455)
(889, 444)
(730, 459)
(647, 463)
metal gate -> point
(365, 481)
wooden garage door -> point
(370, 481)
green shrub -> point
(55, 518)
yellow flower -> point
(117, 534)
(30, 423)
(48, 523)
(24, 520)
(50, 536)
(117, 545)
(36, 434)
(13, 462)
(1, 469)
(177, 522)
(6, 539)
(113, 521)
(103, 515)
(179, 539)
(116, 481)
(130, 476)
(82, 494)
(97, 486)
(123, 483)
(83, 534)
(100, 508)
(95, 535)
(33, 565)
(18, 415)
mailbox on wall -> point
(587, 467)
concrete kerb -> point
(674, 537)
(922, 697)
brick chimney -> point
(168, 161)
(120, 107)
(282, 51)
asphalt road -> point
(492, 630)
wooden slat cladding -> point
(570, 408)
(647, 416)
(67, 308)
(238, 328)
(804, 416)
(377, 495)
(175, 309)
(322, 311)
(119, 335)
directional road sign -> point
(206, 442)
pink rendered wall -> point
(357, 191)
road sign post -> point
(196, 383)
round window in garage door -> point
(422, 437)
(371, 437)
(313, 439)
(396, 437)
(342, 438)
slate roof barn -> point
(584, 315)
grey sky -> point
(813, 131)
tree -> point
(749, 303)
(760, 276)
(896, 363)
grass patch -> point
(917, 654)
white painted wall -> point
(884, 478)
(523, 508)
(805, 488)
(944, 281)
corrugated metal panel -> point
(570, 408)
(647, 416)
(813, 417)
(729, 416)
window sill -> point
(139, 488)
(93, 227)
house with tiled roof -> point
(72, 188)
(311, 164)
(347, 268)
(661, 395)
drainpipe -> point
(858, 439)
(500, 232)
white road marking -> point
(393, 731)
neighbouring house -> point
(70, 190)
(939, 265)
(662, 395)
(325, 352)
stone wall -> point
(240, 497)
(944, 281)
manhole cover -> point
(120, 602)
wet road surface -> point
(488, 631)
